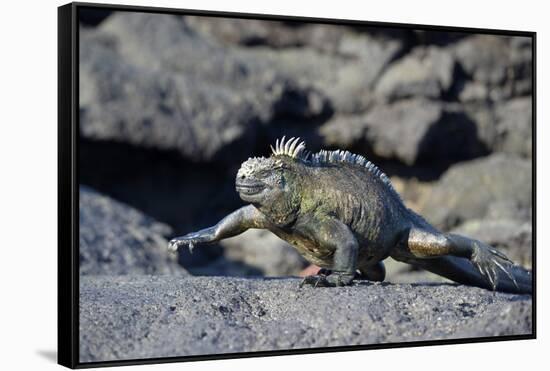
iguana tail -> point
(511, 279)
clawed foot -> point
(189, 240)
(325, 278)
(489, 261)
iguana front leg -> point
(235, 223)
(333, 236)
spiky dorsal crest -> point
(293, 149)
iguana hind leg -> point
(373, 272)
(426, 244)
(333, 236)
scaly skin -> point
(342, 214)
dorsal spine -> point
(296, 149)
(339, 156)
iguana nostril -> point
(242, 177)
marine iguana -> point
(342, 214)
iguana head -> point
(272, 183)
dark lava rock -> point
(346, 78)
(264, 251)
(515, 127)
(425, 72)
(339, 61)
(484, 117)
(409, 130)
(151, 81)
(504, 126)
(502, 64)
(255, 253)
(116, 239)
(472, 91)
(398, 272)
(144, 317)
(273, 34)
(497, 185)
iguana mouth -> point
(249, 189)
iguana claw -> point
(190, 239)
(488, 261)
(330, 280)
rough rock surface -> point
(501, 64)
(255, 253)
(117, 239)
(498, 184)
(143, 317)
(409, 130)
(514, 127)
(342, 63)
(151, 81)
(273, 34)
(398, 272)
(264, 251)
(424, 72)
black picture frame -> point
(68, 194)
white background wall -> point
(28, 181)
